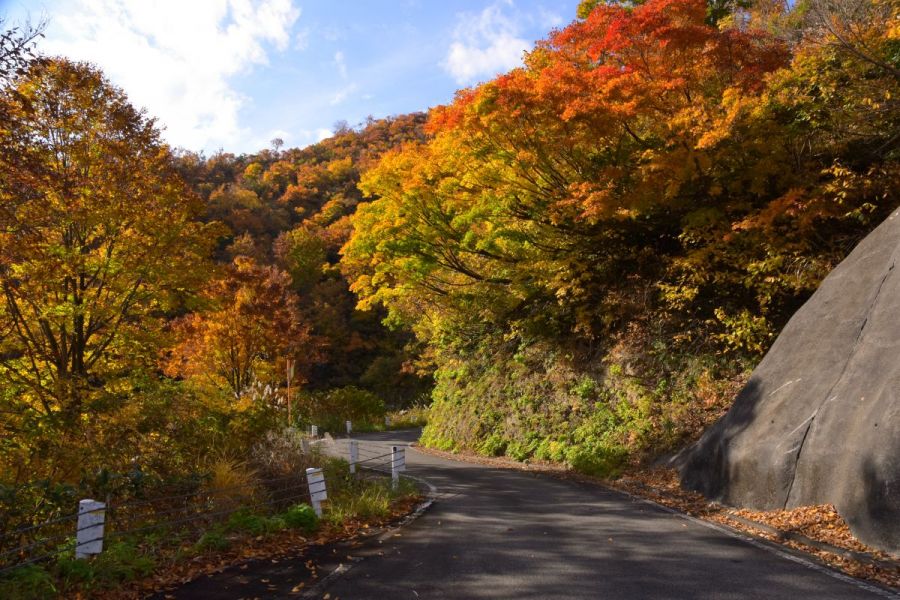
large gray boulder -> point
(818, 420)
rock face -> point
(818, 421)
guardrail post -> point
(315, 479)
(398, 463)
(349, 427)
(354, 455)
(89, 534)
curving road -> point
(495, 533)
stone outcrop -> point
(818, 420)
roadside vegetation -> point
(180, 531)
(595, 249)
(577, 261)
(165, 318)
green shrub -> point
(30, 582)
(332, 408)
(494, 445)
(246, 521)
(301, 516)
(73, 572)
(214, 539)
(120, 562)
(602, 461)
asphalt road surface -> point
(496, 533)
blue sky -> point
(234, 74)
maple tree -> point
(661, 184)
(551, 183)
(254, 325)
(98, 237)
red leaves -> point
(257, 319)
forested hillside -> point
(595, 247)
(163, 313)
(578, 260)
(289, 210)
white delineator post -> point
(349, 427)
(387, 420)
(398, 463)
(354, 455)
(314, 430)
(91, 521)
(315, 479)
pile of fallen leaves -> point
(173, 571)
(816, 530)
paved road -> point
(496, 533)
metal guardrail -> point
(96, 523)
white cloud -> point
(549, 19)
(341, 63)
(301, 40)
(343, 94)
(176, 57)
(485, 44)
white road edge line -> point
(763, 546)
(884, 593)
(342, 569)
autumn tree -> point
(99, 239)
(551, 194)
(252, 326)
(17, 48)
(651, 195)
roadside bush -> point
(330, 409)
(120, 562)
(214, 539)
(408, 418)
(301, 516)
(31, 582)
(365, 499)
(281, 452)
(245, 520)
(595, 414)
(232, 483)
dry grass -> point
(232, 483)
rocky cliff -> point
(818, 420)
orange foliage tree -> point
(99, 238)
(661, 182)
(251, 329)
(560, 182)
